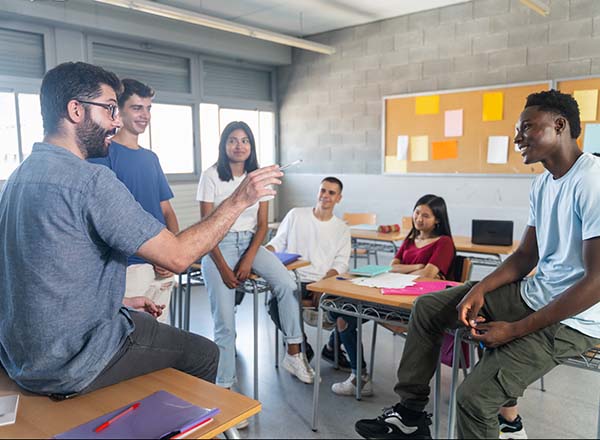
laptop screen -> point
(492, 232)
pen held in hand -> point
(291, 164)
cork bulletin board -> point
(467, 131)
(585, 90)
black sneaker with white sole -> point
(396, 423)
(512, 430)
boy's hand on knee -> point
(494, 334)
(469, 307)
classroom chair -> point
(587, 361)
(361, 250)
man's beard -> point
(91, 137)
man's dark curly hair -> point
(560, 104)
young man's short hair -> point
(69, 81)
(134, 87)
(335, 180)
(560, 103)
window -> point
(20, 128)
(214, 119)
(172, 137)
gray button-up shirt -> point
(66, 229)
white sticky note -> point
(453, 123)
(402, 147)
(497, 149)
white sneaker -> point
(298, 366)
(348, 387)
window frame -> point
(20, 85)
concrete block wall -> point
(331, 106)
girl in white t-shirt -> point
(230, 263)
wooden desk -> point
(40, 417)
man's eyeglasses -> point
(113, 110)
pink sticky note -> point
(453, 126)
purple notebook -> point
(160, 415)
(287, 258)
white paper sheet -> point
(402, 148)
(8, 409)
(387, 280)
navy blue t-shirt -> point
(142, 174)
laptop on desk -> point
(492, 232)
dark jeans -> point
(153, 346)
(502, 374)
(349, 338)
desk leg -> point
(232, 433)
(175, 300)
(255, 286)
(359, 354)
(437, 398)
(318, 369)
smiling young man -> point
(529, 326)
(66, 229)
(321, 238)
(139, 169)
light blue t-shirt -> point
(143, 176)
(564, 212)
(66, 229)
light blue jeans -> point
(222, 299)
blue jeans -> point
(222, 299)
(349, 338)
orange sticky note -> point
(493, 106)
(444, 150)
(427, 105)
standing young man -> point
(139, 169)
(64, 329)
(529, 326)
(321, 238)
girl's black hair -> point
(438, 207)
(223, 167)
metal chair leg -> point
(542, 387)
(187, 306)
(454, 384)
(276, 347)
(437, 390)
(359, 354)
(317, 371)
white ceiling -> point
(306, 17)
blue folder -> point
(287, 258)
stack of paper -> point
(387, 280)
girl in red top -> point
(428, 249)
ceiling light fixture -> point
(537, 6)
(218, 23)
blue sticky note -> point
(591, 139)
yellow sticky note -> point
(493, 106)
(587, 100)
(427, 105)
(393, 165)
(419, 148)
(444, 150)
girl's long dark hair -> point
(223, 167)
(438, 207)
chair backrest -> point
(461, 269)
(360, 218)
(406, 223)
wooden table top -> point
(461, 242)
(40, 417)
(348, 289)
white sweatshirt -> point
(326, 244)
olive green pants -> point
(502, 374)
